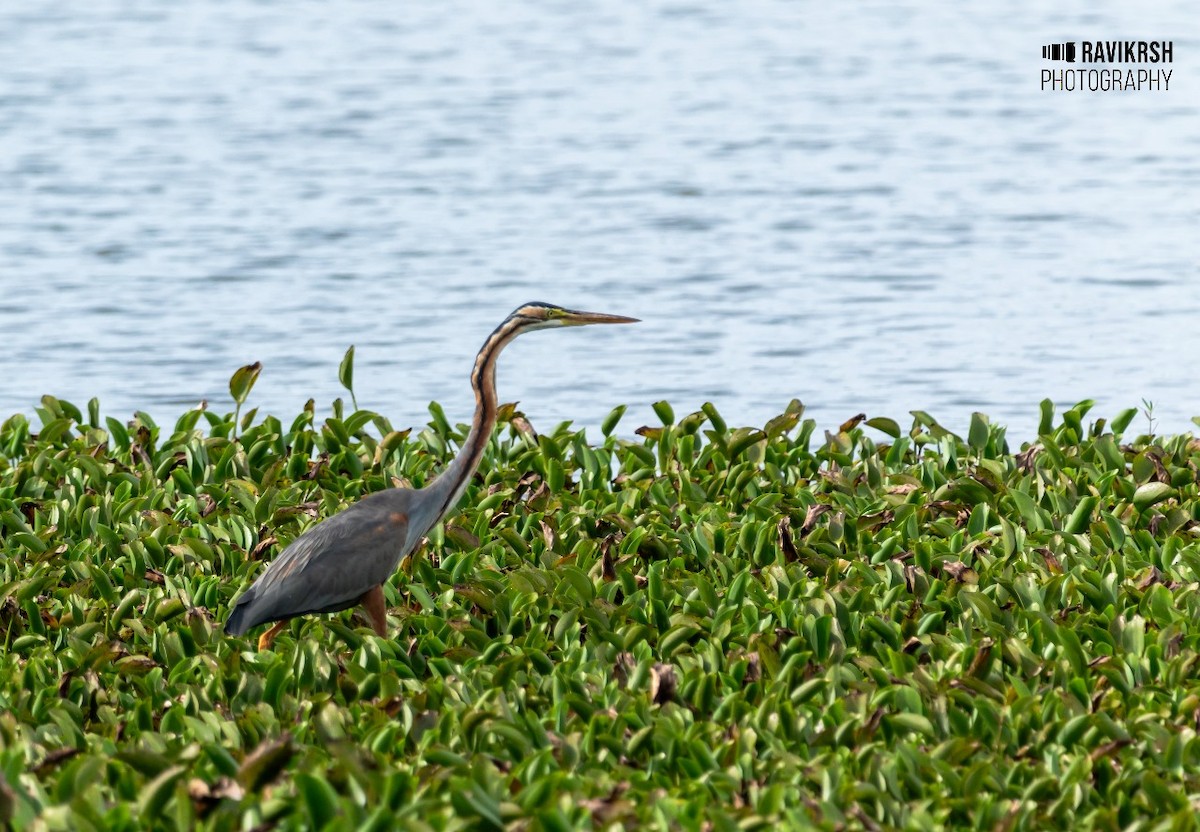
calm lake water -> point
(869, 207)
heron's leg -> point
(264, 641)
(373, 603)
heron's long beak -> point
(573, 318)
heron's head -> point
(537, 315)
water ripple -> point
(852, 210)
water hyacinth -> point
(697, 625)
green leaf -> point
(714, 417)
(743, 440)
(320, 799)
(346, 374)
(1046, 426)
(1073, 649)
(1116, 530)
(54, 430)
(1122, 420)
(1074, 730)
(144, 762)
(785, 421)
(261, 767)
(610, 421)
(912, 722)
(1081, 517)
(977, 436)
(222, 760)
(157, 792)
(1151, 493)
(1027, 508)
(117, 431)
(440, 423)
(884, 425)
(484, 805)
(243, 380)
(445, 758)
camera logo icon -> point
(1059, 52)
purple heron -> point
(344, 560)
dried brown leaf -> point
(810, 517)
(851, 423)
(1160, 471)
(623, 667)
(54, 759)
(266, 762)
(1153, 576)
(753, 669)
(522, 426)
(1051, 561)
(205, 797)
(1027, 458)
(980, 663)
(1109, 749)
(786, 545)
(960, 572)
(663, 683)
(462, 537)
(314, 468)
(263, 545)
(207, 505)
(392, 706)
(608, 567)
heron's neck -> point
(449, 486)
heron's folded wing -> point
(333, 564)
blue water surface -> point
(869, 207)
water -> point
(872, 208)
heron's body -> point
(311, 575)
(344, 560)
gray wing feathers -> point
(330, 566)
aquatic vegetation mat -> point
(692, 627)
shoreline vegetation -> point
(694, 627)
